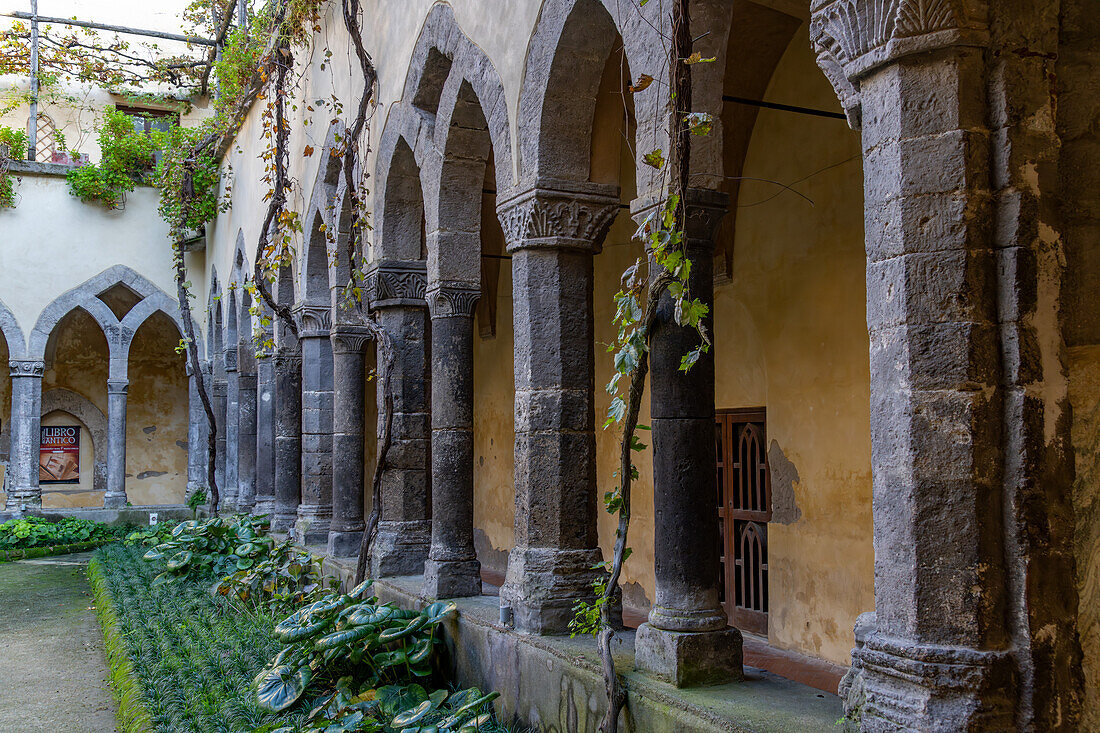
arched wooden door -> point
(744, 510)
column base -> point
(452, 578)
(283, 522)
(344, 543)
(544, 584)
(910, 686)
(690, 659)
(264, 506)
(313, 524)
(401, 548)
(114, 500)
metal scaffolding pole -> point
(32, 120)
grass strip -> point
(35, 552)
(194, 655)
(133, 714)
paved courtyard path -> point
(51, 650)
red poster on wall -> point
(59, 455)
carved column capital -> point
(391, 283)
(350, 339)
(27, 367)
(314, 321)
(853, 37)
(559, 215)
(118, 386)
(705, 209)
(453, 299)
(284, 359)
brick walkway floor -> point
(51, 650)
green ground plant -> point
(211, 548)
(30, 532)
(194, 653)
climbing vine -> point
(668, 267)
(14, 141)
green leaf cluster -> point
(28, 532)
(211, 548)
(16, 141)
(287, 577)
(126, 156)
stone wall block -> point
(937, 287)
(455, 256)
(408, 454)
(404, 492)
(930, 223)
(554, 410)
(549, 511)
(412, 425)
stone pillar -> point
(116, 443)
(218, 396)
(287, 364)
(246, 425)
(938, 656)
(552, 235)
(452, 568)
(349, 404)
(686, 639)
(404, 531)
(230, 490)
(265, 436)
(23, 491)
(197, 430)
(315, 509)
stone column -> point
(246, 425)
(218, 396)
(197, 428)
(287, 363)
(552, 236)
(315, 509)
(116, 443)
(404, 531)
(265, 436)
(349, 404)
(686, 639)
(230, 490)
(26, 420)
(452, 568)
(938, 656)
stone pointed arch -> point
(119, 333)
(83, 409)
(565, 61)
(12, 333)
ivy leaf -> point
(617, 410)
(308, 151)
(697, 58)
(642, 84)
(655, 159)
(699, 123)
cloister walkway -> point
(51, 650)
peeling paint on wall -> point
(784, 477)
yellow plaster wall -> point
(494, 396)
(1084, 394)
(156, 419)
(791, 336)
(82, 494)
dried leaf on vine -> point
(641, 85)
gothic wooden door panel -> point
(744, 509)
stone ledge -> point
(526, 668)
(122, 515)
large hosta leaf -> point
(397, 632)
(282, 686)
(394, 699)
(340, 638)
(439, 610)
(367, 614)
(360, 591)
(413, 715)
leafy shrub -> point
(16, 142)
(125, 156)
(211, 548)
(29, 532)
(287, 577)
